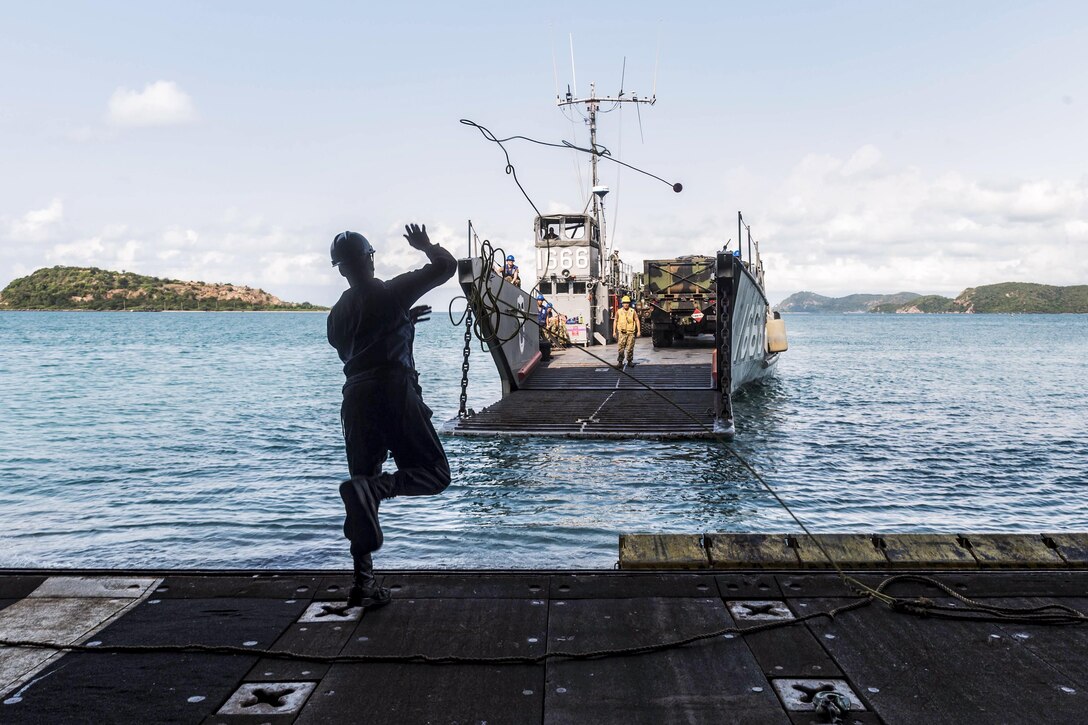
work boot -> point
(365, 591)
(361, 525)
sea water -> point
(213, 440)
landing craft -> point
(711, 325)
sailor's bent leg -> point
(422, 466)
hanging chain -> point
(464, 412)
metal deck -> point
(894, 667)
(576, 395)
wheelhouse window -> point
(549, 229)
(574, 227)
(565, 228)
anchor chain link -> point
(464, 411)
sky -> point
(872, 146)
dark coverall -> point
(383, 411)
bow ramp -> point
(574, 395)
(577, 392)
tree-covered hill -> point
(1024, 297)
(1008, 297)
(812, 302)
(90, 288)
(926, 303)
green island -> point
(90, 288)
(812, 302)
(1006, 297)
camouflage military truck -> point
(678, 298)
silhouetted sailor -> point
(372, 327)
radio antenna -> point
(573, 73)
(555, 70)
(592, 104)
(657, 62)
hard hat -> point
(625, 299)
(540, 296)
(349, 245)
(547, 304)
(509, 257)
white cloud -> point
(1077, 230)
(38, 224)
(81, 251)
(160, 103)
(108, 249)
(176, 237)
(293, 269)
(888, 229)
(393, 255)
(863, 159)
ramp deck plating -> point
(576, 395)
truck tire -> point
(661, 338)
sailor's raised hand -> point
(417, 236)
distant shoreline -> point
(925, 314)
(1004, 297)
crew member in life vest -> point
(626, 327)
(510, 271)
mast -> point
(593, 105)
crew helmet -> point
(509, 257)
(349, 245)
(625, 299)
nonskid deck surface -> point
(608, 377)
(575, 395)
(894, 667)
(596, 414)
(690, 351)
